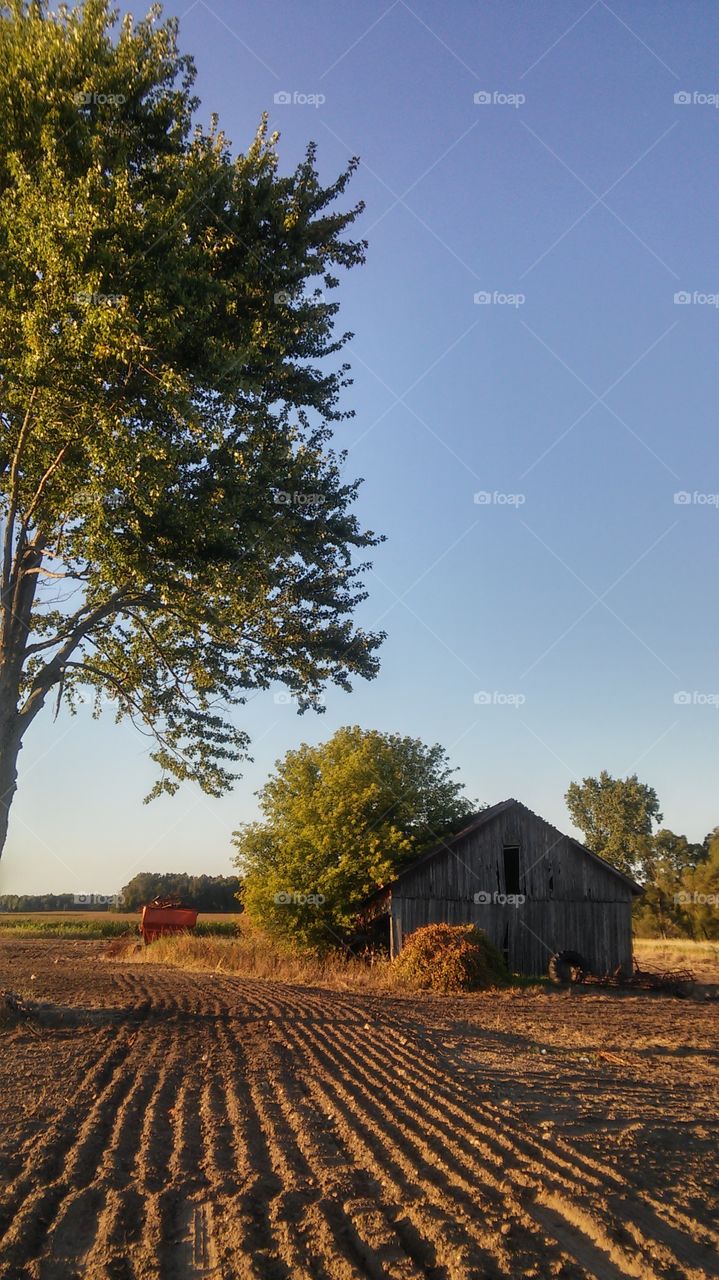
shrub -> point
(447, 958)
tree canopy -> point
(339, 820)
(177, 530)
(616, 817)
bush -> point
(450, 957)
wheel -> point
(567, 966)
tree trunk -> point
(9, 751)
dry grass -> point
(253, 955)
(679, 953)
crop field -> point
(165, 1124)
(98, 924)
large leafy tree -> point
(616, 817)
(176, 529)
(339, 820)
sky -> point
(535, 387)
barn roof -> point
(482, 819)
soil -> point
(156, 1123)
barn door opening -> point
(511, 868)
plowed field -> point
(157, 1123)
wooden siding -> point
(572, 902)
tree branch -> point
(165, 661)
(51, 673)
(7, 584)
(39, 491)
(100, 674)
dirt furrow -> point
(118, 1237)
(245, 1189)
(305, 1239)
(46, 1225)
(503, 1130)
(676, 1245)
(45, 1158)
(392, 1150)
(528, 1167)
(357, 1238)
(378, 1236)
(33, 1196)
(521, 1172)
(132, 1171)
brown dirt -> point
(170, 1125)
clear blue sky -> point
(595, 599)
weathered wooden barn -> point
(533, 890)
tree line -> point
(206, 893)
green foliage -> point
(680, 878)
(177, 529)
(616, 817)
(340, 819)
(449, 958)
(206, 893)
(661, 911)
(701, 893)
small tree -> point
(616, 817)
(176, 528)
(339, 820)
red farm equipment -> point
(166, 915)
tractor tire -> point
(567, 966)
